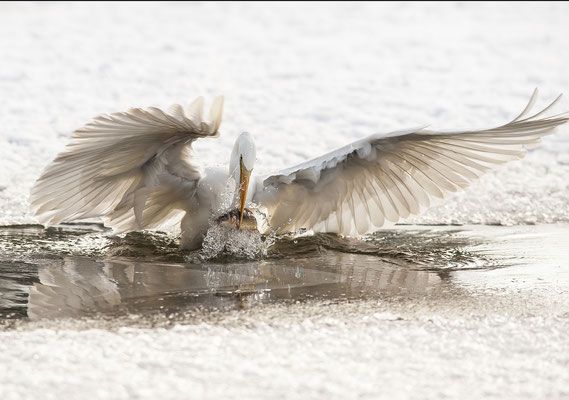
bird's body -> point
(211, 197)
(136, 170)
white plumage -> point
(136, 171)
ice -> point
(399, 315)
(303, 79)
(339, 355)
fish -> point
(231, 220)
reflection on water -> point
(77, 270)
(81, 285)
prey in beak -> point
(244, 175)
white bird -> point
(136, 170)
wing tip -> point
(216, 113)
(196, 114)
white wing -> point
(386, 177)
(134, 169)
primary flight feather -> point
(136, 170)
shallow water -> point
(78, 270)
(445, 311)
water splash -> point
(221, 241)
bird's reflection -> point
(82, 285)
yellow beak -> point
(244, 176)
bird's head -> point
(240, 167)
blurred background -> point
(320, 74)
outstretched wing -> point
(386, 177)
(134, 169)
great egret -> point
(136, 170)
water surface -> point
(79, 270)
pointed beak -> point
(244, 176)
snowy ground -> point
(315, 352)
(319, 75)
(303, 79)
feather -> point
(388, 177)
(133, 169)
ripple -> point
(79, 270)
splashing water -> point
(223, 241)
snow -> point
(312, 74)
(316, 351)
(303, 79)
